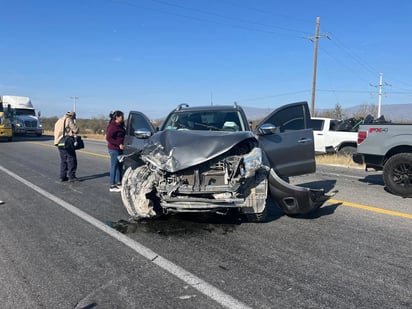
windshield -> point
(24, 111)
(220, 120)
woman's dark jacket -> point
(115, 135)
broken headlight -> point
(252, 162)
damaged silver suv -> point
(207, 159)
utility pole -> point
(315, 39)
(380, 94)
(74, 102)
(381, 84)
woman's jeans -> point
(115, 167)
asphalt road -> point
(58, 248)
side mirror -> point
(267, 129)
(142, 133)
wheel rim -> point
(402, 175)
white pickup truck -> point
(329, 137)
(388, 146)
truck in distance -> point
(23, 115)
(331, 136)
(6, 131)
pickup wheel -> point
(397, 174)
(347, 151)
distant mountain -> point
(393, 112)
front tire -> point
(137, 183)
(397, 174)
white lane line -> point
(195, 282)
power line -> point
(273, 96)
(342, 91)
(202, 19)
(227, 17)
(357, 59)
(343, 65)
(254, 26)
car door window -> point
(290, 150)
(291, 118)
(138, 121)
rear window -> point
(317, 124)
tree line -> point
(98, 125)
(87, 126)
(338, 113)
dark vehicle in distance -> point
(207, 159)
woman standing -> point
(115, 143)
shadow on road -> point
(195, 223)
(180, 224)
(375, 179)
(31, 138)
(95, 176)
(191, 224)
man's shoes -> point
(63, 179)
(114, 188)
(74, 179)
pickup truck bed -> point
(388, 147)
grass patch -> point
(334, 159)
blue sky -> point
(150, 55)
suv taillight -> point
(362, 135)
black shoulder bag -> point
(67, 141)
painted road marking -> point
(195, 282)
(371, 208)
(81, 151)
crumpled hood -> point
(174, 150)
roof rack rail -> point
(181, 105)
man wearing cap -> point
(68, 160)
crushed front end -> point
(234, 178)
